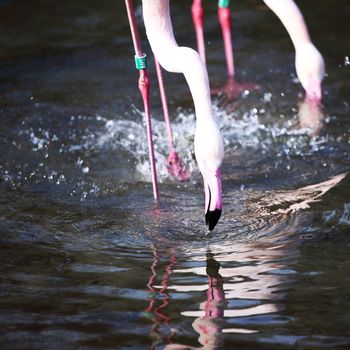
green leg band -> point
(224, 3)
(141, 61)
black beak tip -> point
(212, 218)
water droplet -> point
(109, 124)
(85, 170)
(79, 161)
(267, 97)
(307, 236)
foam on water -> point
(240, 130)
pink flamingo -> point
(309, 63)
(208, 141)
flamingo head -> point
(213, 198)
(209, 151)
(310, 69)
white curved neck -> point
(177, 59)
(292, 19)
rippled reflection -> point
(242, 285)
(311, 116)
(251, 285)
(159, 299)
(209, 324)
(244, 288)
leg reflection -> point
(159, 300)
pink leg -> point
(140, 60)
(174, 161)
(197, 16)
(224, 14)
(144, 89)
(232, 89)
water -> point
(87, 263)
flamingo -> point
(208, 143)
(309, 62)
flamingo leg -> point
(174, 161)
(232, 89)
(197, 17)
(224, 14)
(144, 85)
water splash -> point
(90, 155)
(240, 130)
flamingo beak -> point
(213, 199)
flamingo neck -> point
(292, 19)
(177, 59)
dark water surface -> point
(86, 263)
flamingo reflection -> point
(246, 281)
(209, 326)
(311, 116)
